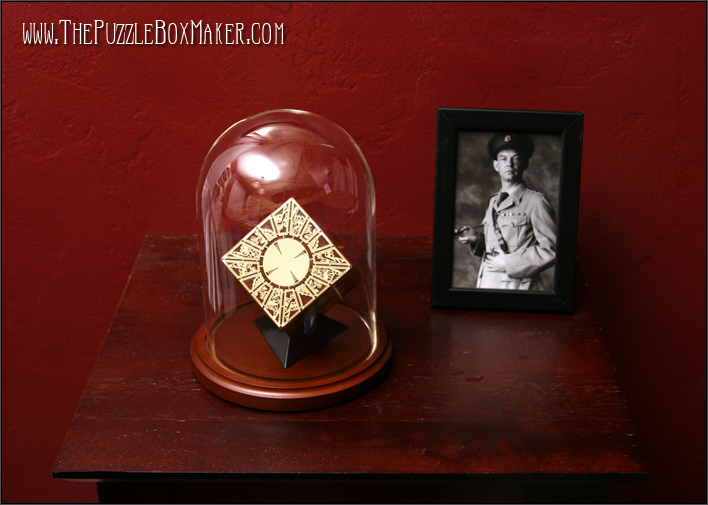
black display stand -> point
(291, 349)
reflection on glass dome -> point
(285, 203)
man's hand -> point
(472, 238)
(495, 263)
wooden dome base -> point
(239, 365)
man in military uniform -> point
(519, 240)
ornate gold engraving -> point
(286, 262)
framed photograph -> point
(506, 209)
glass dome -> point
(286, 209)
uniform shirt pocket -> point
(513, 227)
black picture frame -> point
(461, 134)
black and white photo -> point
(500, 209)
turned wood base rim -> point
(299, 395)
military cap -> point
(520, 142)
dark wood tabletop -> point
(471, 396)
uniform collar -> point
(515, 195)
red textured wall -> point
(103, 143)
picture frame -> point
(537, 270)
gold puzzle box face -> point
(287, 264)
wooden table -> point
(478, 406)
